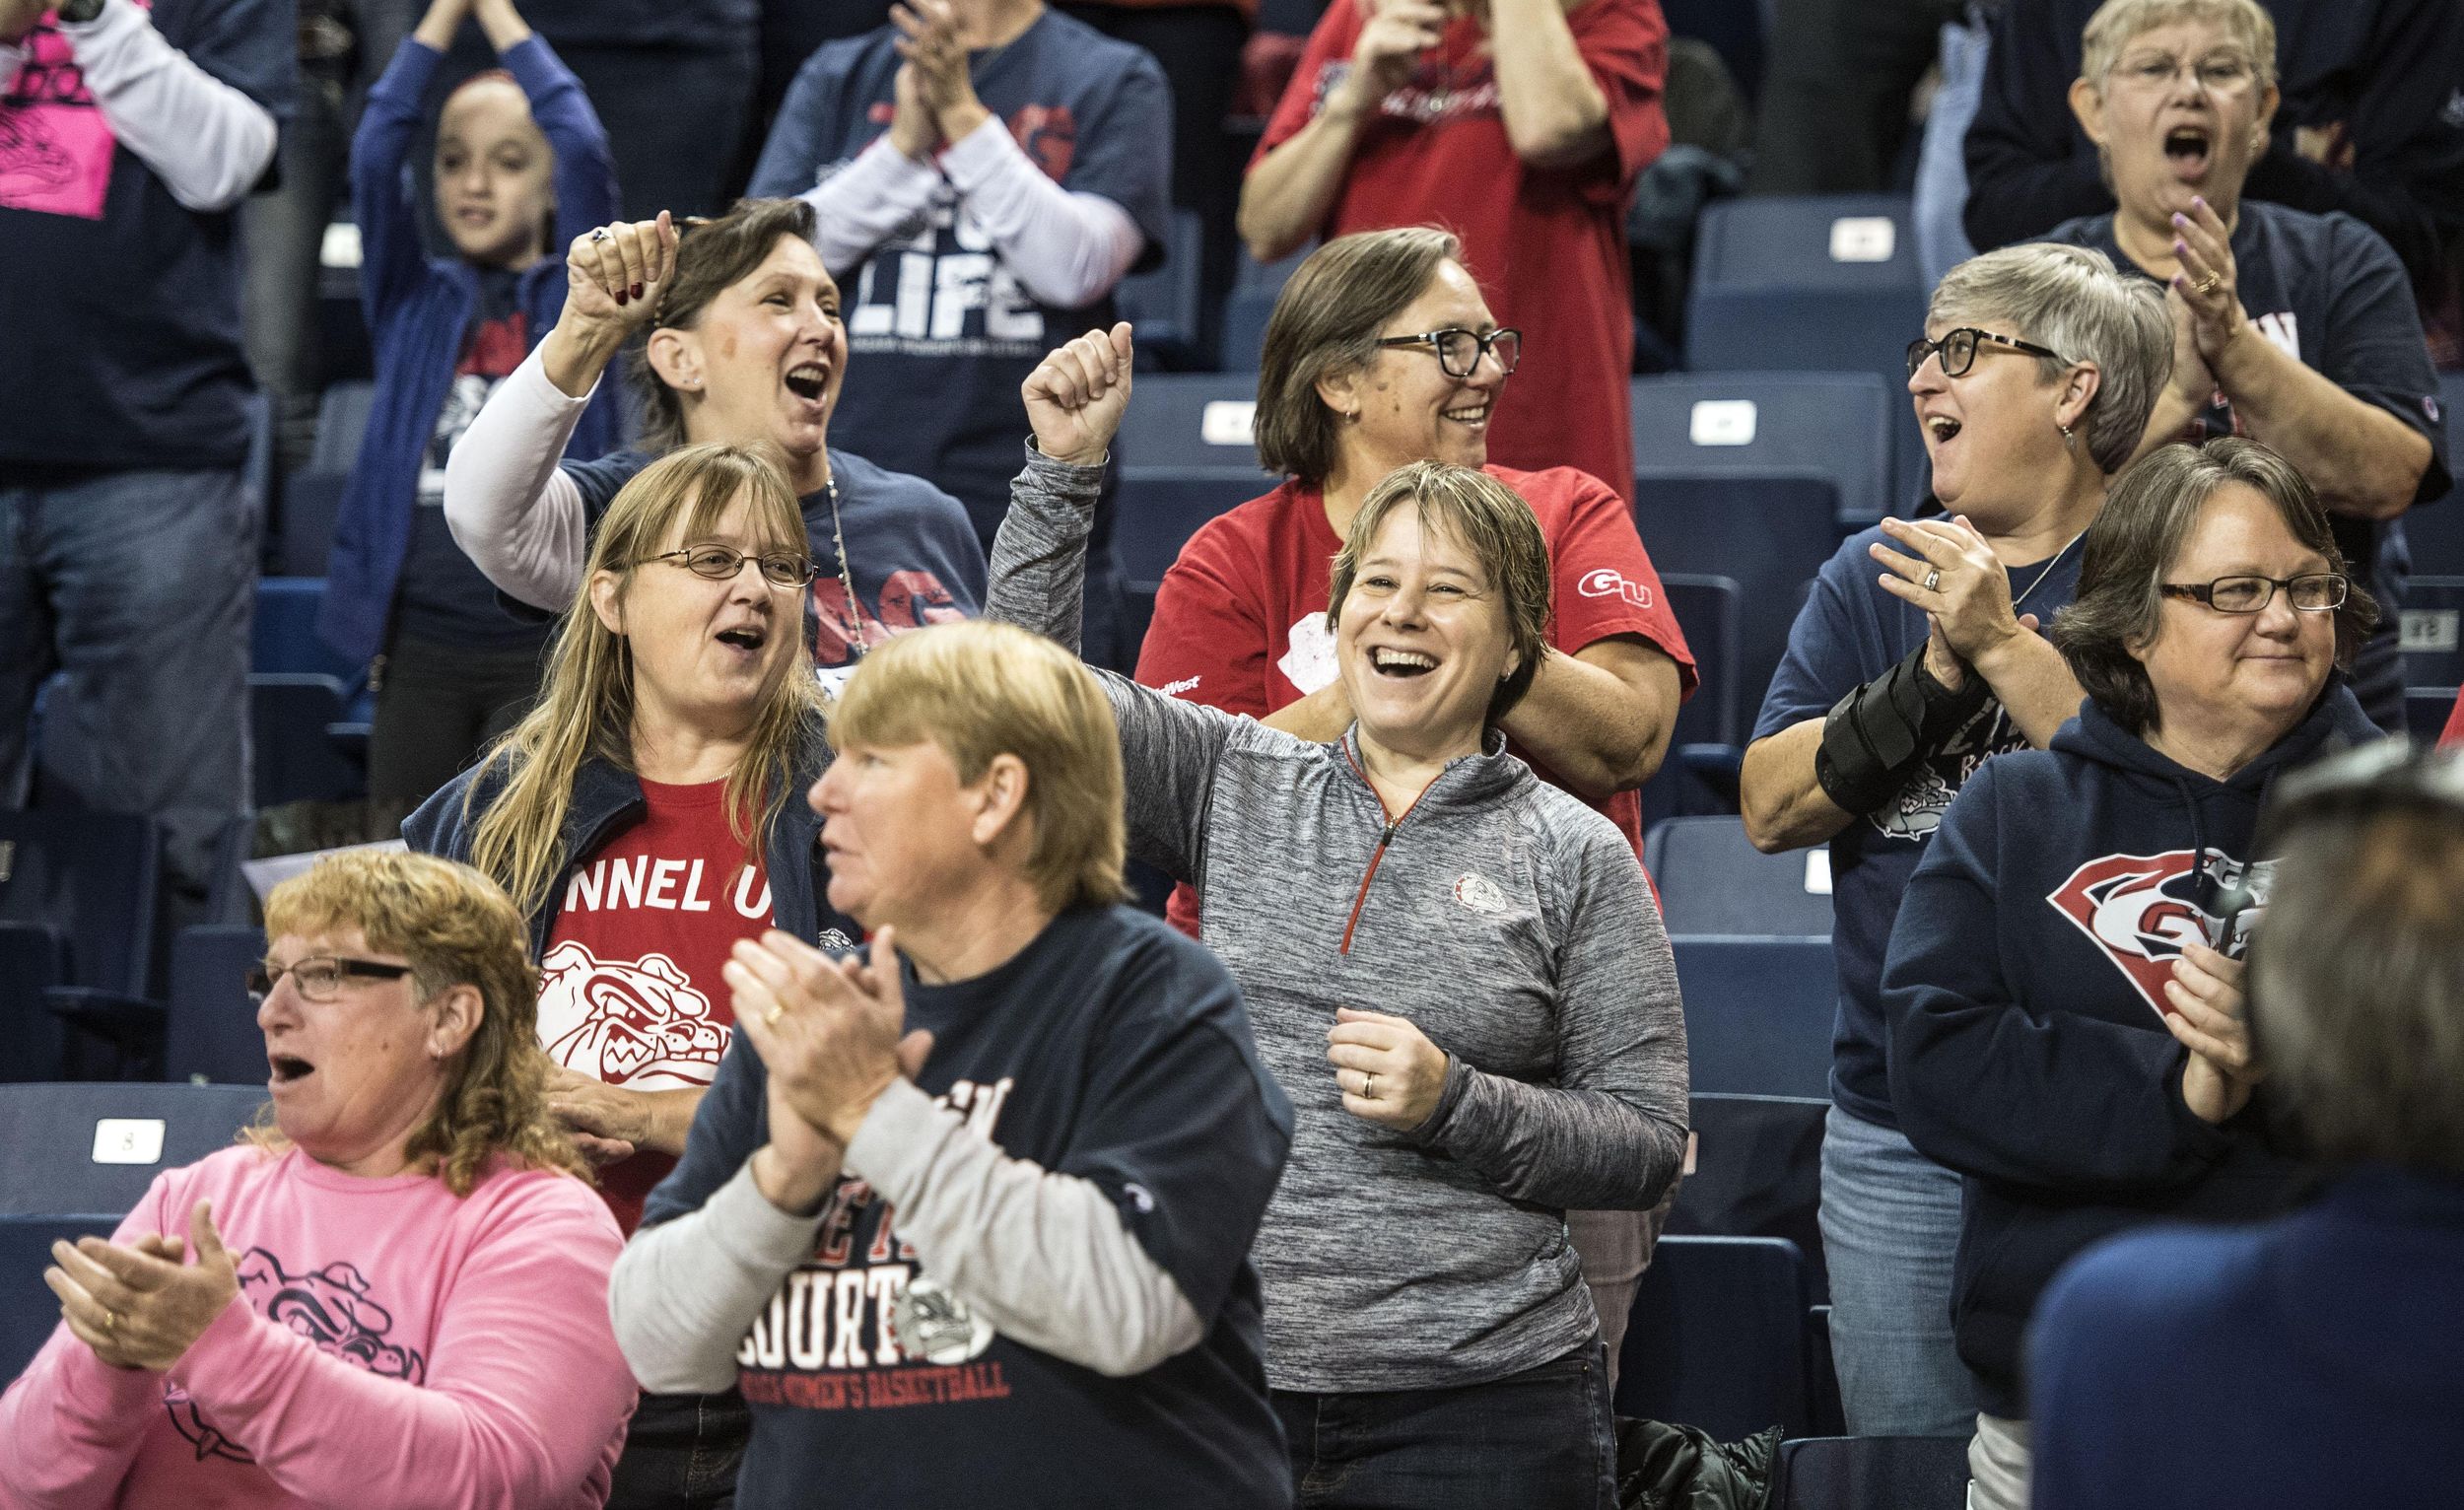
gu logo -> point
(2141, 909)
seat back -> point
(1164, 303)
(2428, 629)
(29, 1311)
(1162, 506)
(1709, 609)
(1713, 880)
(1717, 1338)
(1770, 534)
(1256, 286)
(210, 1031)
(91, 879)
(283, 637)
(1758, 1013)
(1834, 426)
(96, 1146)
(288, 714)
(1757, 1173)
(2427, 710)
(1872, 1474)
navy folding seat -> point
(1757, 1173)
(292, 718)
(29, 1311)
(1770, 534)
(1713, 880)
(1872, 1474)
(96, 1146)
(1164, 303)
(209, 1032)
(2428, 626)
(1832, 426)
(2426, 712)
(1717, 1338)
(1758, 1013)
(78, 900)
(1254, 288)
(1185, 456)
(283, 638)
(1709, 608)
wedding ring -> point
(600, 235)
(110, 1320)
(1368, 1087)
(1932, 579)
(770, 1019)
(2207, 285)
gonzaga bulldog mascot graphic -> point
(639, 1025)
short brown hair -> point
(980, 689)
(1326, 321)
(2356, 985)
(457, 927)
(2154, 505)
(711, 254)
(1497, 524)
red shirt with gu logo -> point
(629, 989)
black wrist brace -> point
(1876, 734)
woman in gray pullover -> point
(1457, 972)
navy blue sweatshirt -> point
(2381, 77)
(2022, 995)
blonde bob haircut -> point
(979, 690)
(586, 704)
(2118, 22)
(1492, 522)
(457, 927)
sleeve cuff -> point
(222, 1355)
(893, 1150)
(1065, 476)
(980, 155)
(743, 1222)
(902, 176)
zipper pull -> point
(1388, 837)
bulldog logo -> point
(331, 1308)
(2140, 910)
(639, 1025)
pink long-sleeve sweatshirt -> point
(390, 1346)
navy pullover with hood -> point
(2024, 991)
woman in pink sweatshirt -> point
(395, 1294)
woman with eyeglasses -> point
(393, 1294)
(1381, 352)
(1915, 660)
(643, 818)
(2298, 330)
(2063, 986)
(741, 342)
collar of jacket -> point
(1468, 780)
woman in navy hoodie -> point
(2063, 1000)
(521, 166)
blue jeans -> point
(1538, 1440)
(139, 586)
(1942, 170)
(683, 1453)
(1891, 1224)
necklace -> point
(2014, 602)
(852, 615)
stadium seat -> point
(77, 915)
(1834, 426)
(1769, 533)
(1708, 609)
(1164, 304)
(1757, 1173)
(1185, 457)
(289, 715)
(1758, 1013)
(2427, 630)
(210, 1033)
(1872, 1474)
(96, 1146)
(311, 500)
(2426, 712)
(1256, 286)
(1712, 880)
(29, 1311)
(284, 636)
(1732, 29)
(1717, 1338)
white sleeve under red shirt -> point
(629, 989)
(1547, 244)
(1240, 619)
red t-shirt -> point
(1547, 245)
(2453, 735)
(1240, 619)
(629, 990)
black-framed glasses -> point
(319, 975)
(2310, 593)
(720, 563)
(1959, 350)
(1459, 351)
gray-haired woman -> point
(1915, 660)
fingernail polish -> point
(637, 291)
(620, 299)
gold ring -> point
(110, 1320)
(2207, 285)
(770, 1019)
(1368, 1087)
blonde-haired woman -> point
(401, 1254)
(642, 818)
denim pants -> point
(1538, 1440)
(683, 1453)
(139, 586)
(1891, 1224)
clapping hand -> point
(614, 274)
(2211, 1018)
(1949, 571)
(936, 67)
(138, 1305)
(1388, 50)
(2206, 279)
(1388, 1070)
(1077, 394)
(827, 1030)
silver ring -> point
(1368, 1087)
(1932, 579)
(600, 235)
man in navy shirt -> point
(127, 534)
(982, 187)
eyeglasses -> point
(1959, 350)
(720, 563)
(1459, 351)
(2220, 73)
(319, 975)
(2311, 592)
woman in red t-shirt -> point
(1520, 125)
(1382, 352)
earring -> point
(2066, 435)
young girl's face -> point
(494, 174)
